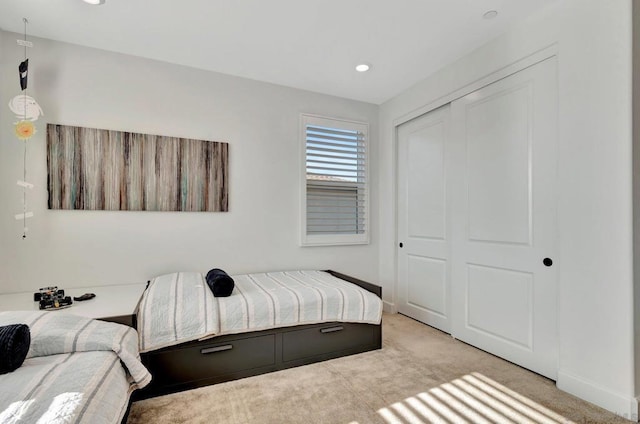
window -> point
(335, 188)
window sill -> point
(334, 240)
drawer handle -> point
(216, 349)
(332, 329)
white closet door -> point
(504, 218)
(423, 211)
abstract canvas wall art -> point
(95, 169)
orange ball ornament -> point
(24, 130)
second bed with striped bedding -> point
(179, 307)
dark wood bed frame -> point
(224, 358)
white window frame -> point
(332, 239)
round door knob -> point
(547, 262)
(401, 245)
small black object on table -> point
(85, 296)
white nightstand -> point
(116, 303)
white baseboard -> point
(624, 406)
(389, 307)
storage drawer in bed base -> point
(231, 357)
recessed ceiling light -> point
(487, 15)
(95, 2)
(363, 67)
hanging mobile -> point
(27, 111)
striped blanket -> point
(179, 307)
(73, 372)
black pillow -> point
(220, 283)
(15, 340)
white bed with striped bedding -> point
(180, 307)
(78, 370)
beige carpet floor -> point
(419, 376)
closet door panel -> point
(486, 313)
(503, 174)
(425, 190)
(423, 219)
(499, 167)
(429, 296)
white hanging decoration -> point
(25, 184)
(23, 215)
(25, 107)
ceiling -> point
(308, 44)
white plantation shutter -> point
(333, 210)
(335, 181)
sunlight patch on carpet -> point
(473, 398)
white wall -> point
(592, 39)
(98, 89)
(636, 186)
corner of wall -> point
(635, 16)
(389, 307)
(624, 406)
